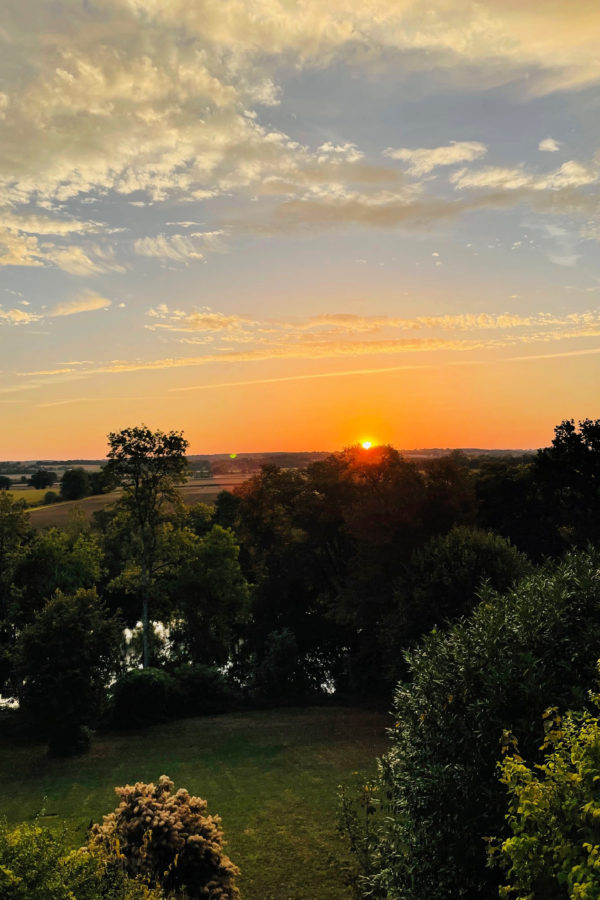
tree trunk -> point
(145, 632)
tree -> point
(212, 597)
(169, 839)
(442, 582)
(553, 851)
(148, 465)
(74, 484)
(66, 659)
(534, 647)
(15, 536)
(55, 560)
(101, 481)
(42, 479)
(5, 483)
(568, 476)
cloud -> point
(20, 244)
(159, 97)
(423, 160)
(87, 302)
(549, 145)
(572, 174)
(335, 336)
(17, 316)
(180, 248)
(199, 320)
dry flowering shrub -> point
(168, 839)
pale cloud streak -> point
(422, 160)
(87, 302)
(334, 336)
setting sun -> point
(366, 445)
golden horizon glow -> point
(366, 445)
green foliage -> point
(50, 497)
(534, 647)
(74, 484)
(202, 690)
(56, 561)
(101, 481)
(148, 466)
(443, 580)
(5, 483)
(200, 518)
(142, 697)
(211, 597)
(65, 659)
(35, 864)
(169, 839)
(554, 814)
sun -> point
(366, 445)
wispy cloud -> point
(180, 248)
(334, 337)
(86, 302)
(424, 160)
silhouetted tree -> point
(149, 466)
(74, 484)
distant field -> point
(30, 495)
(272, 776)
(57, 515)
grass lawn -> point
(271, 775)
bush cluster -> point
(36, 865)
(169, 839)
(438, 791)
(147, 696)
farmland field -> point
(272, 776)
(30, 495)
(58, 514)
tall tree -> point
(148, 465)
(66, 659)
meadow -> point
(31, 496)
(272, 776)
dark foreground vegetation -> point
(463, 593)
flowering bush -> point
(167, 838)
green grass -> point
(271, 775)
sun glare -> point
(366, 445)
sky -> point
(295, 225)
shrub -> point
(554, 813)
(201, 691)
(142, 697)
(169, 839)
(438, 791)
(34, 864)
(50, 497)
